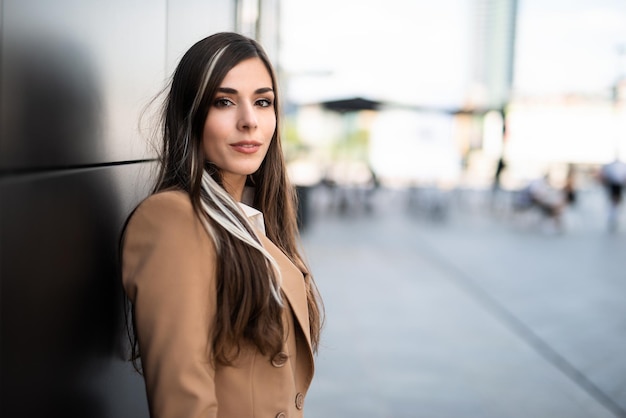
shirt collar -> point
(254, 216)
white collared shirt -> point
(254, 216)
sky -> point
(420, 52)
(570, 45)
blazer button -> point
(280, 359)
(300, 400)
(281, 415)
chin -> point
(247, 171)
(250, 169)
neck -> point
(234, 185)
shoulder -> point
(168, 214)
(171, 202)
(163, 208)
(164, 238)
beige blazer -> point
(168, 272)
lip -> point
(246, 147)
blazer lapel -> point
(292, 285)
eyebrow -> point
(229, 90)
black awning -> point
(351, 105)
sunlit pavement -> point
(475, 315)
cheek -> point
(270, 126)
(212, 133)
(212, 129)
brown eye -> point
(223, 102)
(264, 102)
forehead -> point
(249, 72)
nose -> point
(247, 117)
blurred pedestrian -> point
(226, 316)
(497, 184)
(500, 166)
(548, 200)
(613, 177)
(569, 189)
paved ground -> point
(467, 315)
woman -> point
(226, 317)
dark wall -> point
(75, 76)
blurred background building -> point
(456, 73)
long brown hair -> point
(248, 294)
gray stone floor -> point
(479, 314)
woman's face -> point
(241, 121)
